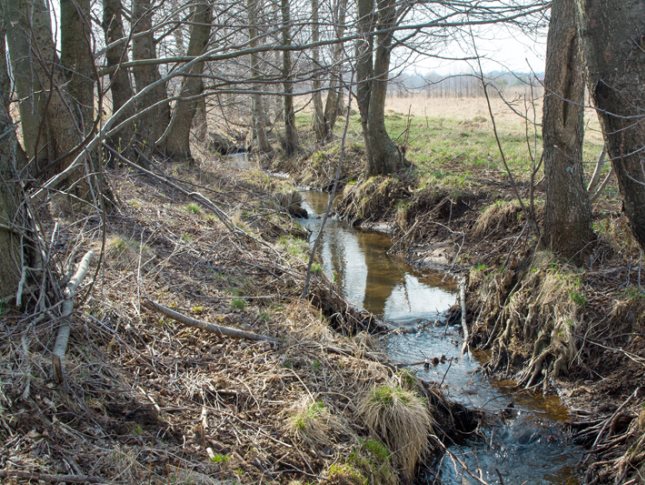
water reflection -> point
(369, 278)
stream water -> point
(529, 444)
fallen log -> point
(62, 338)
(202, 325)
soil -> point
(546, 324)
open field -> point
(452, 143)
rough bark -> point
(178, 140)
(334, 94)
(257, 105)
(319, 113)
(373, 66)
(152, 126)
(614, 41)
(120, 86)
(290, 132)
(78, 60)
(567, 220)
(10, 153)
(50, 131)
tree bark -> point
(290, 132)
(78, 60)
(257, 105)
(178, 140)
(614, 41)
(567, 220)
(120, 86)
(319, 114)
(10, 153)
(334, 94)
(50, 131)
(373, 66)
(153, 125)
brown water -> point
(528, 444)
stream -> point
(530, 444)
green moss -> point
(386, 395)
(220, 459)
(344, 473)
(238, 303)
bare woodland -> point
(102, 95)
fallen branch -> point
(62, 338)
(192, 322)
(464, 324)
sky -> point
(502, 49)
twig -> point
(192, 322)
(62, 338)
(46, 477)
(613, 416)
(464, 324)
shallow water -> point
(529, 444)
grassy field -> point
(451, 140)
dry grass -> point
(402, 419)
(312, 423)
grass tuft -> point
(401, 418)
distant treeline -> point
(467, 85)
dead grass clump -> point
(499, 215)
(402, 419)
(372, 199)
(541, 318)
(312, 423)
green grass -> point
(454, 153)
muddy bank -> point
(543, 323)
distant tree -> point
(567, 219)
(257, 105)
(290, 131)
(614, 41)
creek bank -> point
(543, 322)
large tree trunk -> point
(10, 152)
(319, 114)
(290, 132)
(567, 220)
(372, 71)
(77, 59)
(50, 132)
(257, 105)
(178, 140)
(614, 40)
(120, 86)
(153, 125)
(334, 94)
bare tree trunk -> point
(120, 86)
(200, 121)
(48, 117)
(334, 94)
(10, 153)
(152, 126)
(385, 156)
(319, 114)
(567, 220)
(291, 134)
(257, 106)
(177, 144)
(77, 58)
(365, 65)
(614, 41)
